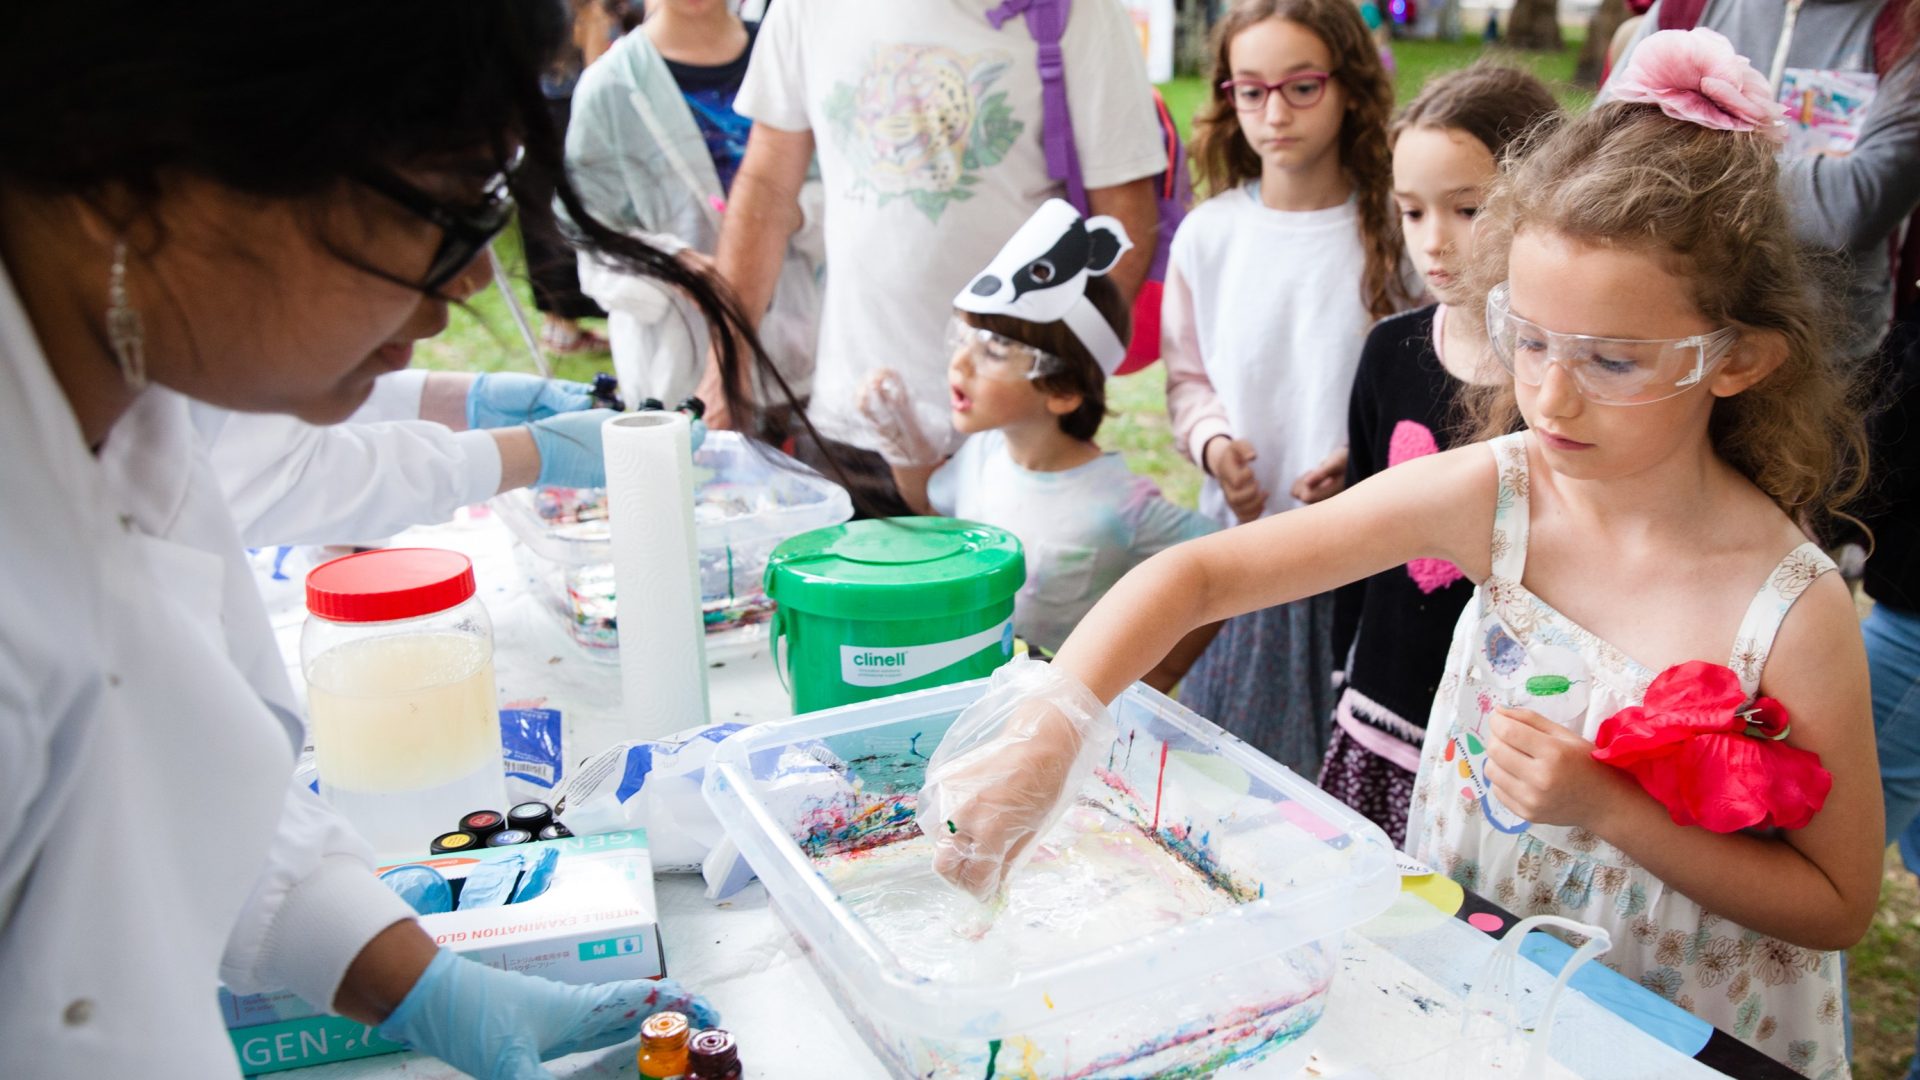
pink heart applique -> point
(1432, 575)
(1412, 439)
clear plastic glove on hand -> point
(499, 1025)
(500, 399)
(909, 434)
(570, 449)
(1009, 768)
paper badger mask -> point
(1041, 276)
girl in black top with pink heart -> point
(1393, 629)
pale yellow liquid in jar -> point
(406, 734)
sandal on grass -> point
(572, 341)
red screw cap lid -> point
(392, 583)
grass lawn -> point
(1885, 968)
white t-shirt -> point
(1082, 528)
(927, 125)
(1280, 320)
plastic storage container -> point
(1288, 868)
(398, 657)
(747, 499)
(875, 608)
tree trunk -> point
(1190, 38)
(1593, 56)
(1534, 24)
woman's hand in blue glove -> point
(500, 1025)
(569, 446)
(505, 398)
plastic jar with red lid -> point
(398, 656)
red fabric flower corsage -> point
(1710, 761)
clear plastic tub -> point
(1235, 968)
(747, 499)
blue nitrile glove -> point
(569, 446)
(505, 398)
(499, 1025)
(695, 411)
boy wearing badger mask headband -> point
(1032, 340)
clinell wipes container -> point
(874, 608)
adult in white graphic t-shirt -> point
(927, 123)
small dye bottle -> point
(483, 823)
(711, 1055)
(663, 1046)
(531, 816)
(449, 843)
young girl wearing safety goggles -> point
(1638, 525)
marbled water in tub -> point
(1098, 881)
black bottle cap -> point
(693, 407)
(483, 823)
(606, 392)
(711, 1055)
(448, 843)
(554, 832)
(509, 837)
(531, 816)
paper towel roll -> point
(656, 572)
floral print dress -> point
(1510, 648)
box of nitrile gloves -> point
(596, 922)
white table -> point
(1396, 1001)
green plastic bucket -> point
(873, 608)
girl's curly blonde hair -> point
(1627, 176)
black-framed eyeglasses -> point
(1300, 90)
(467, 229)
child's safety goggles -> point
(996, 356)
(1607, 371)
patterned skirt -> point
(1379, 789)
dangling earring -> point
(124, 330)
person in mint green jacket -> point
(653, 146)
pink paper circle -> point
(1485, 922)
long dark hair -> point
(293, 101)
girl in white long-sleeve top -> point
(1272, 285)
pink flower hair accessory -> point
(1695, 75)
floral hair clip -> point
(1711, 758)
(1695, 75)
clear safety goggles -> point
(1607, 371)
(996, 356)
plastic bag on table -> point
(651, 785)
(655, 785)
(1008, 769)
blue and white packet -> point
(531, 750)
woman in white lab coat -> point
(258, 208)
(424, 445)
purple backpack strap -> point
(1679, 14)
(1047, 22)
